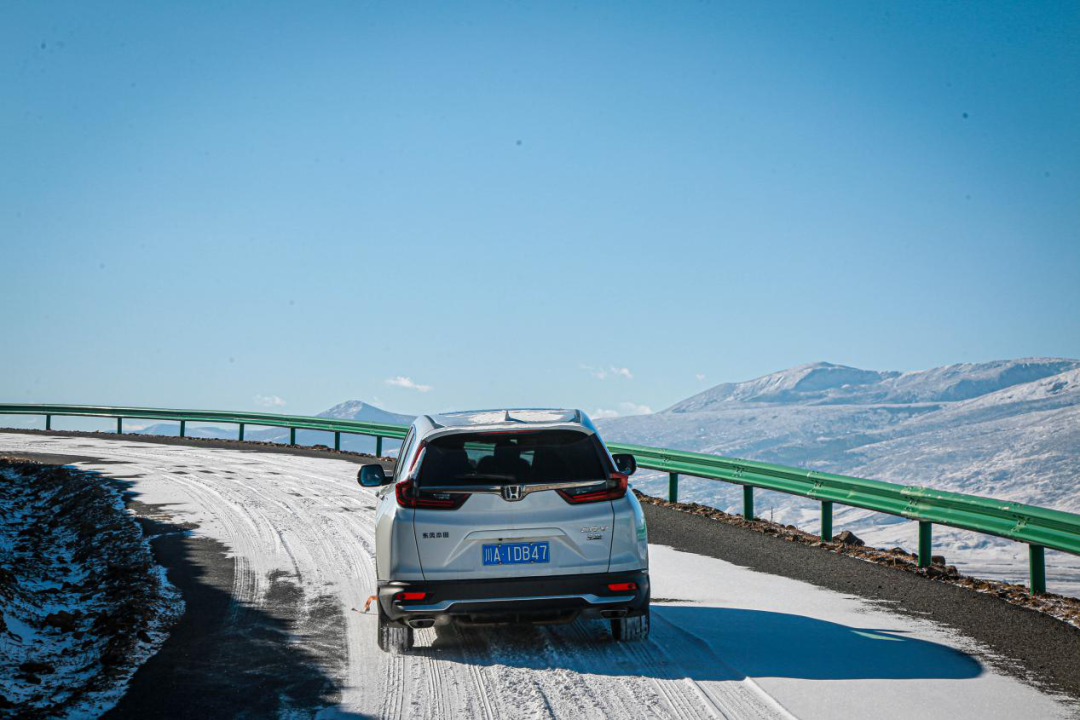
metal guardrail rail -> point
(1037, 527)
(243, 419)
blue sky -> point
(604, 205)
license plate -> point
(515, 553)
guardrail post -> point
(48, 422)
(292, 436)
(119, 426)
(1037, 568)
(748, 502)
(925, 543)
(826, 521)
(673, 487)
(241, 431)
(183, 427)
(378, 446)
(337, 441)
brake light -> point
(613, 489)
(399, 597)
(622, 587)
(408, 496)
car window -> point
(527, 457)
(403, 456)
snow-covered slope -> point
(1008, 429)
(348, 410)
(828, 384)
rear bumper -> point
(531, 599)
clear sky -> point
(604, 205)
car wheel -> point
(631, 629)
(380, 634)
(392, 638)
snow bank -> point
(82, 603)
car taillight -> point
(408, 496)
(407, 596)
(612, 489)
(622, 587)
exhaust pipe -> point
(612, 614)
(420, 623)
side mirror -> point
(371, 475)
(625, 463)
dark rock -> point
(62, 620)
(113, 656)
(937, 559)
(36, 668)
(848, 538)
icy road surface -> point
(726, 642)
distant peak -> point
(362, 410)
(348, 409)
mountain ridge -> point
(829, 383)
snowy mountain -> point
(1008, 429)
(360, 410)
(348, 410)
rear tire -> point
(631, 629)
(392, 638)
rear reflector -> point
(398, 597)
(622, 587)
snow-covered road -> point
(727, 642)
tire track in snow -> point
(567, 643)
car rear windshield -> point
(519, 458)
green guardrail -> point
(1037, 527)
(242, 419)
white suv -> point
(500, 516)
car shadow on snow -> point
(708, 643)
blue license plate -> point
(515, 553)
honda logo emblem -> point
(511, 492)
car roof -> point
(503, 419)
